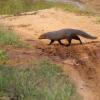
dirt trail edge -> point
(81, 62)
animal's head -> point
(43, 36)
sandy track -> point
(81, 62)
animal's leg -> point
(69, 42)
(77, 38)
(80, 41)
(51, 42)
(60, 42)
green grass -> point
(42, 81)
(11, 6)
(45, 5)
(3, 57)
(8, 37)
(18, 6)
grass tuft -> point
(9, 37)
(3, 57)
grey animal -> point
(68, 34)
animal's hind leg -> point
(69, 42)
(77, 38)
(60, 42)
(51, 42)
(80, 41)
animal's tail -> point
(86, 35)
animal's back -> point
(63, 34)
(56, 35)
(66, 34)
(71, 32)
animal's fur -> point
(68, 34)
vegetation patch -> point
(18, 6)
(9, 37)
(43, 81)
(3, 57)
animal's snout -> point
(39, 37)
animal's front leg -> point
(69, 42)
(51, 42)
(80, 41)
(60, 42)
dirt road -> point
(81, 62)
